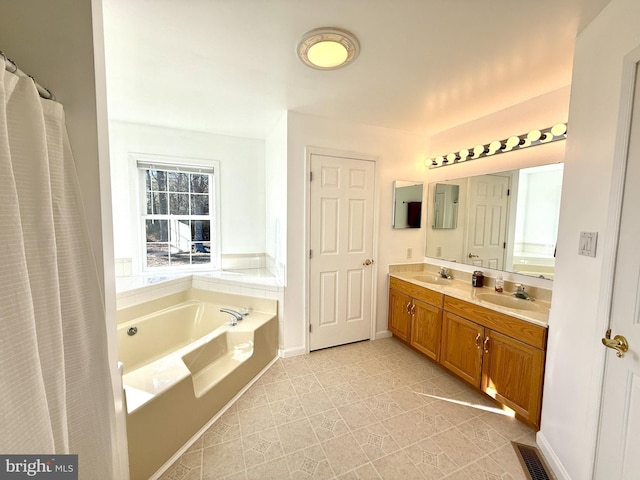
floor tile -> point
(261, 447)
(328, 424)
(315, 402)
(287, 410)
(369, 411)
(375, 441)
(330, 377)
(255, 419)
(222, 460)
(357, 415)
(343, 394)
(459, 448)
(397, 465)
(363, 472)
(344, 453)
(430, 459)
(278, 391)
(297, 435)
(226, 428)
(272, 470)
(311, 462)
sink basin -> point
(509, 302)
(433, 279)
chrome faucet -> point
(445, 273)
(235, 316)
(520, 293)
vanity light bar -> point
(516, 142)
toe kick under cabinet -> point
(503, 356)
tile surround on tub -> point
(143, 288)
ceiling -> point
(229, 66)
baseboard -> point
(292, 352)
(383, 334)
(552, 459)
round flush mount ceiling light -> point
(328, 48)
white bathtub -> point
(184, 363)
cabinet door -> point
(399, 318)
(426, 326)
(462, 347)
(512, 374)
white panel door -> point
(618, 456)
(487, 234)
(341, 243)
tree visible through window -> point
(179, 217)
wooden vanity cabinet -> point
(399, 314)
(502, 355)
(415, 316)
(462, 347)
(499, 354)
(512, 373)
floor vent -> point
(532, 462)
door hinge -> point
(309, 328)
(310, 254)
(508, 192)
(311, 176)
(504, 245)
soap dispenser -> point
(499, 284)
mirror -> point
(445, 206)
(407, 204)
(505, 221)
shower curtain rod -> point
(11, 66)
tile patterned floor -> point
(360, 411)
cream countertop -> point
(464, 291)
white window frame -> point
(142, 162)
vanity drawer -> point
(420, 293)
(527, 332)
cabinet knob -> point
(478, 340)
(486, 345)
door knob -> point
(367, 262)
(618, 343)
(471, 255)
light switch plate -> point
(588, 242)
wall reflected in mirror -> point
(407, 204)
(504, 221)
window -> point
(178, 215)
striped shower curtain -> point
(55, 389)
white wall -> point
(242, 182)
(276, 196)
(400, 157)
(575, 357)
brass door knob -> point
(618, 343)
(471, 255)
(367, 262)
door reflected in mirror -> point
(505, 221)
(445, 206)
(407, 204)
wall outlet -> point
(409, 252)
(588, 242)
(438, 251)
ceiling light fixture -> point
(515, 142)
(328, 48)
